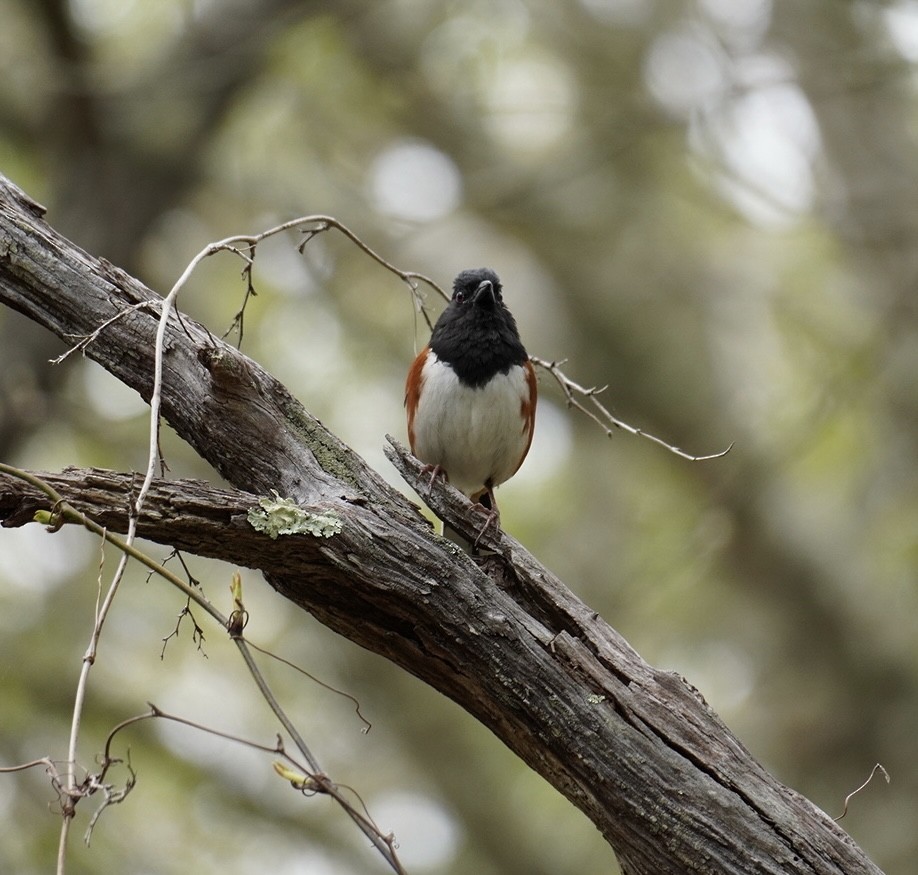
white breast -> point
(474, 434)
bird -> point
(471, 393)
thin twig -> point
(411, 278)
(111, 796)
(152, 458)
(245, 246)
(274, 705)
(367, 726)
(89, 656)
(197, 633)
(239, 319)
(69, 789)
(318, 781)
(603, 417)
(86, 339)
(853, 793)
(44, 761)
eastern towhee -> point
(471, 393)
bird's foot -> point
(493, 518)
(434, 471)
(488, 503)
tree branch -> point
(638, 750)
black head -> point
(479, 286)
(476, 334)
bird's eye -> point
(460, 297)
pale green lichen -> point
(283, 516)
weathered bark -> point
(638, 750)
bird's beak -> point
(484, 295)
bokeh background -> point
(709, 205)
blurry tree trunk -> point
(637, 749)
(93, 162)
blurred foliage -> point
(708, 205)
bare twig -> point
(238, 322)
(877, 768)
(89, 657)
(245, 246)
(44, 761)
(316, 780)
(111, 796)
(197, 633)
(273, 704)
(573, 391)
(50, 769)
(70, 792)
(410, 278)
(367, 726)
(86, 339)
